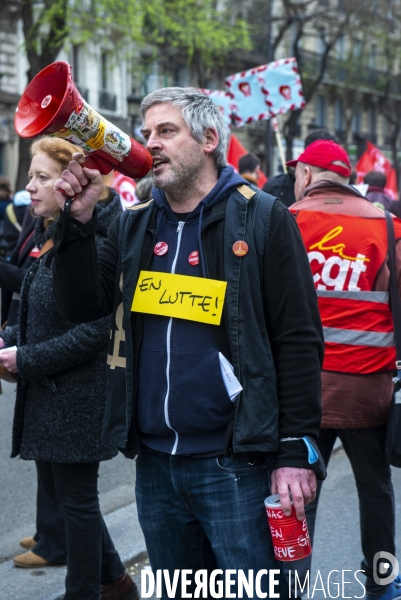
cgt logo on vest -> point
(340, 271)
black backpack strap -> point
(254, 195)
(260, 207)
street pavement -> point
(18, 484)
(18, 509)
(337, 542)
(336, 549)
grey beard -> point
(178, 183)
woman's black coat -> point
(61, 391)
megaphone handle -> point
(67, 215)
(66, 224)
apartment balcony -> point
(352, 74)
(107, 100)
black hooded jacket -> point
(270, 327)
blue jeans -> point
(205, 513)
(91, 556)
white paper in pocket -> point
(232, 384)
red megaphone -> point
(52, 104)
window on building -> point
(390, 10)
(373, 56)
(340, 47)
(76, 63)
(78, 73)
(292, 36)
(150, 81)
(107, 98)
(339, 115)
(182, 77)
(372, 123)
(356, 121)
(321, 111)
(357, 48)
(321, 44)
(386, 131)
(104, 71)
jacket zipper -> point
(168, 344)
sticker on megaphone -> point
(90, 131)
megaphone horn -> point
(52, 105)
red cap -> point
(323, 153)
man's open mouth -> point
(157, 162)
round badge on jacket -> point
(193, 258)
(240, 248)
(160, 248)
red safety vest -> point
(345, 254)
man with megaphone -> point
(206, 275)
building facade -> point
(9, 91)
(348, 99)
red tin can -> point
(290, 537)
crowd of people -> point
(305, 326)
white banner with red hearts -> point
(265, 91)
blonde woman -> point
(61, 394)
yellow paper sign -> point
(180, 296)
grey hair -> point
(332, 175)
(199, 113)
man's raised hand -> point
(83, 184)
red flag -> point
(234, 153)
(373, 159)
(125, 187)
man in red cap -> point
(346, 240)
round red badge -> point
(160, 248)
(193, 258)
(240, 248)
